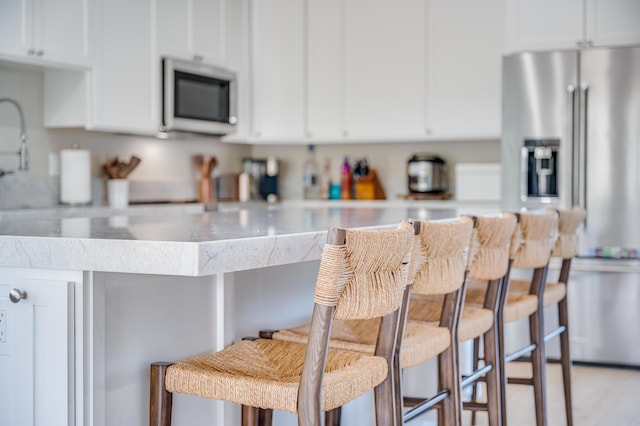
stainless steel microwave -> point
(198, 98)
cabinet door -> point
(15, 27)
(126, 72)
(192, 29)
(36, 353)
(209, 28)
(174, 20)
(464, 61)
(61, 31)
(544, 24)
(278, 68)
(46, 32)
(384, 46)
(613, 22)
(324, 69)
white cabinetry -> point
(278, 81)
(37, 347)
(122, 93)
(125, 81)
(612, 22)
(324, 70)
(192, 29)
(383, 70)
(47, 32)
(549, 24)
(464, 68)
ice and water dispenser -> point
(540, 170)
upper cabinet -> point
(384, 68)
(278, 81)
(125, 80)
(464, 68)
(122, 92)
(612, 22)
(367, 70)
(192, 29)
(45, 32)
(549, 24)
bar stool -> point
(438, 264)
(362, 275)
(531, 247)
(488, 263)
(555, 293)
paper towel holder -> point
(75, 181)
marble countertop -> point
(172, 240)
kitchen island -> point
(107, 294)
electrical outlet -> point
(3, 326)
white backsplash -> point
(167, 170)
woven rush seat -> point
(518, 305)
(553, 292)
(474, 322)
(420, 343)
(266, 374)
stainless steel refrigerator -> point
(571, 135)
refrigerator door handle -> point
(572, 133)
(582, 147)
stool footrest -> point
(424, 406)
(521, 352)
(475, 376)
(558, 331)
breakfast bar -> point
(109, 292)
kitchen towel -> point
(75, 176)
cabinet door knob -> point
(40, 52)
(31, 52)
(16, 295)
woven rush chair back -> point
(444, 247)
(365, 277)
(490, 246)
(566, 246)
(534, 239)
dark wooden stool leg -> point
(565, 358)
(332, 417)
(476, 363)
(250, 416)
(160, 400)
(265, 417)
(448, 414)
(493, 377)
(538, 361)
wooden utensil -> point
(127, 168)
(116, 169)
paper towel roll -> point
(75, 176)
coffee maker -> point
(263, 177)
(540, 161)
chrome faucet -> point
(23, 151)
